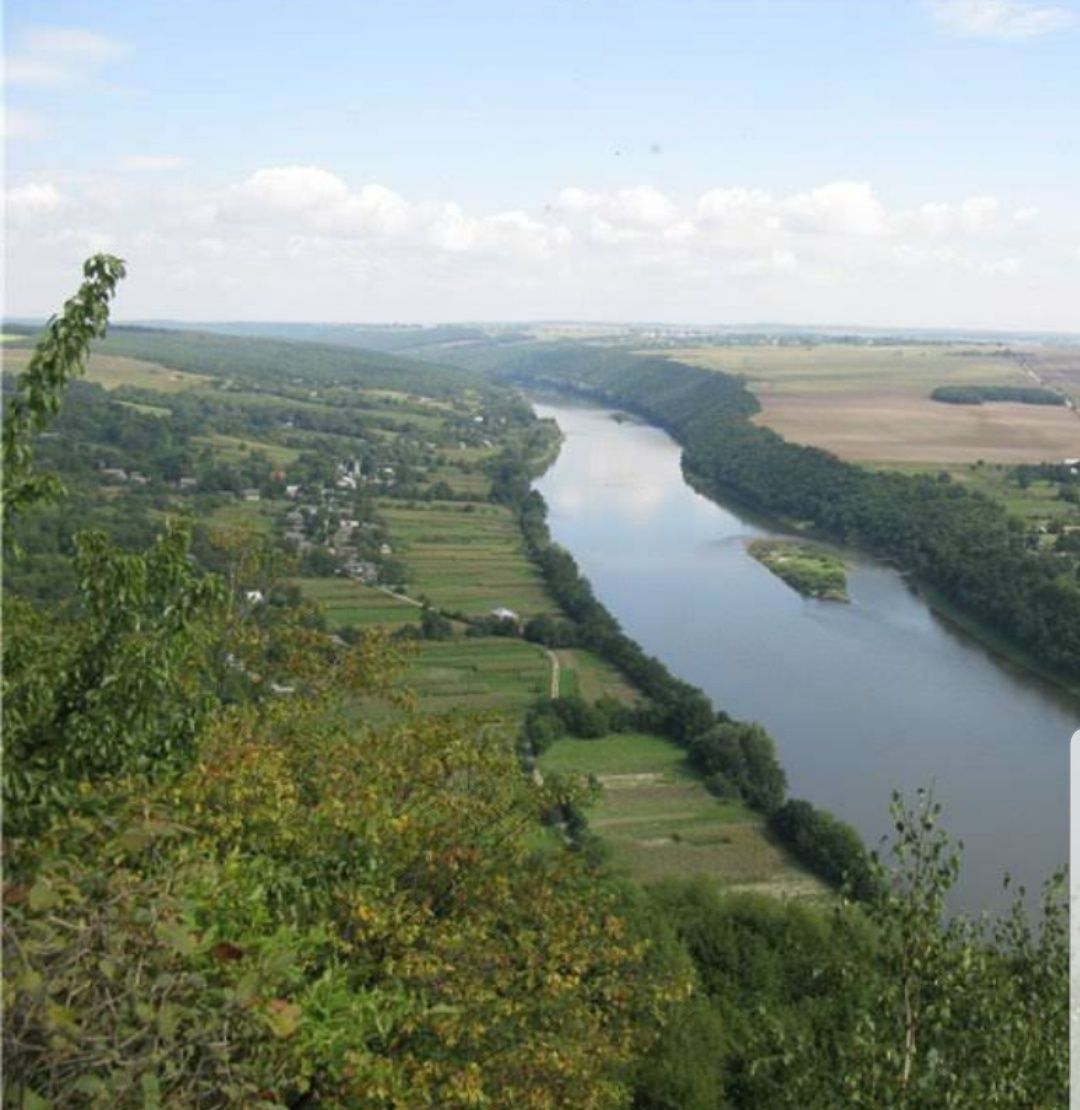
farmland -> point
(466, 557)
(660, 820)
(114, 371)
(872, 403)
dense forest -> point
(953, 540)
(233, 880)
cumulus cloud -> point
(35, 198)
(301, 241)
(47, 56)
(1005, 20)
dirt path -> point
(400, 597)
(554, 691)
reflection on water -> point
(861, 698)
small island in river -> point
(810, 569)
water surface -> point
(861, 698)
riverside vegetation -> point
(245, 866)
(805, 567)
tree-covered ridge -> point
(271, 360)
(955, 541)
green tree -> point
(59, 356)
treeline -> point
(980, 394)
(736, 759)
(960, 543)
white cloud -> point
(303, 242)
(1006, 20)
(35, 198)
(48, 56)
(839, 208)
(641, 206)
(150, 163)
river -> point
(861, 698)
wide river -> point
(863, 698)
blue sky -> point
(896, 162)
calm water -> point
(861, 698)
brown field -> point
(113, 371)
(884, 427)
(873, 404)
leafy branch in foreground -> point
(59, 356)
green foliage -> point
(828, 846)
(965, 1014)
(888, 1003)
(739, 760)
(123, 686)
(805, 567)
(59, 355)
(315, 908)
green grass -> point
(475, 483)
(479, 673)
(467, 561)
(622, 752)
(346, 601)
(257, 515)
(581, 672)
(660, 821)
(807, 568)
(150, 410)
(232, 448)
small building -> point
(251, 495)
(292, 492)
(187, 483)
(501, 613)
(255, 597)
(114, 474)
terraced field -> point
(489, 673)
(347, 601)
(465, 557)
(660, 821)
(581, 672)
